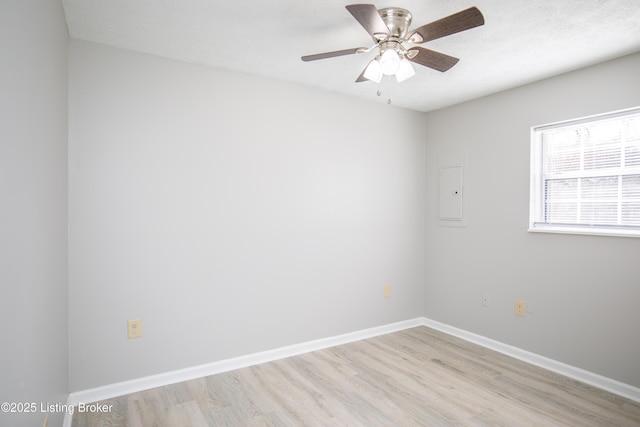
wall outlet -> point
(485, 299)
(519, 308)
(134, 328)
(387, 291)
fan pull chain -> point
(379, 92)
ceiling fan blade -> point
(463, 20)
(367, 15)
(333, 54)
(432, 59)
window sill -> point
(585, 230)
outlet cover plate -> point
(519, 308)
(134, 328)
(486, 300)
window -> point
(585, 175)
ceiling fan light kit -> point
(389, 64)
(389, 29)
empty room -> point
(407, 213)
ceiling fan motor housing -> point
(398, 20)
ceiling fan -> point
(389, 28)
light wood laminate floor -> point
(416, 377)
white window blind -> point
(585, 175)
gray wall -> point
(235, 214)
(232, 214)
(584, 290)
(33, 196)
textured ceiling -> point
(521, 41)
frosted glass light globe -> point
(389, 62)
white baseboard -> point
(596, 380)
(159, 380)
